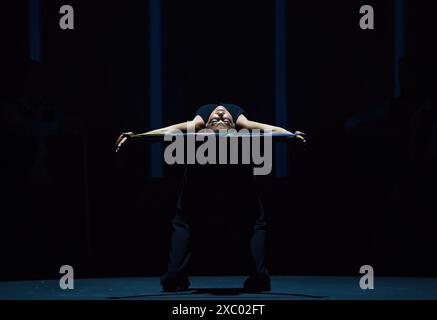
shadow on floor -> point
(217, 292)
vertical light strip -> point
(155, 73)
(400, 40)
(281, 83)
(35, 30)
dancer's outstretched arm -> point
(244, 123)
(194, 125)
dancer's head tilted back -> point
(220, 119)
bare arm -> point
(196, 124)
(192, 125)
(244, 123)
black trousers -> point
(201, 210)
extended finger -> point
(120, 138)
(120, 143)
(301, 138)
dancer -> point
(207, 191)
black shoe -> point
(174, 283)
(257, 283)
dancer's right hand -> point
(122, 139)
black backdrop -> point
(103, 214)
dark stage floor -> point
(226, 288)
